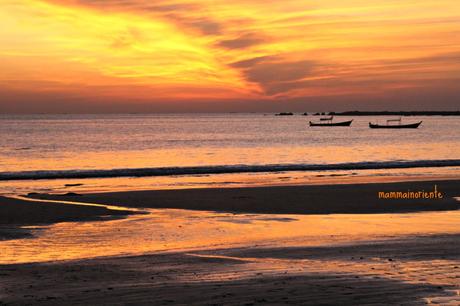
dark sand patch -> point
(431, 247)
(15, 212)
(11, 232)
(311, 199)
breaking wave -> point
(219, 169)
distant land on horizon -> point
(344, 113)
(396, 113)
(378, 113)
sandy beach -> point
(400, 268)
(308, 199)
(15, 213)
(415, 271)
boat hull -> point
(343, 123)
(396, 126)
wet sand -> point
(306, 199)
(15, 213)
(414, 271)
(409, 270)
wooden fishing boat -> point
(394, 126)
(330, 123)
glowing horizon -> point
(182, 52)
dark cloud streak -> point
(243, 41)
(274, 74)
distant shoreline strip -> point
(388, 113)
(223, 169)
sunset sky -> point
(216, 55)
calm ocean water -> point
(102, 142)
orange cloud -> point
(227, 50)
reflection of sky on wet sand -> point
(425, 263)
(171, 229)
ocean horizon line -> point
(294, 111)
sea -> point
(99, 152)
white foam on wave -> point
(220, 169)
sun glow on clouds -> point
(191, 49)
(59, 45)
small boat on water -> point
(330, 123)
(398, 125)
